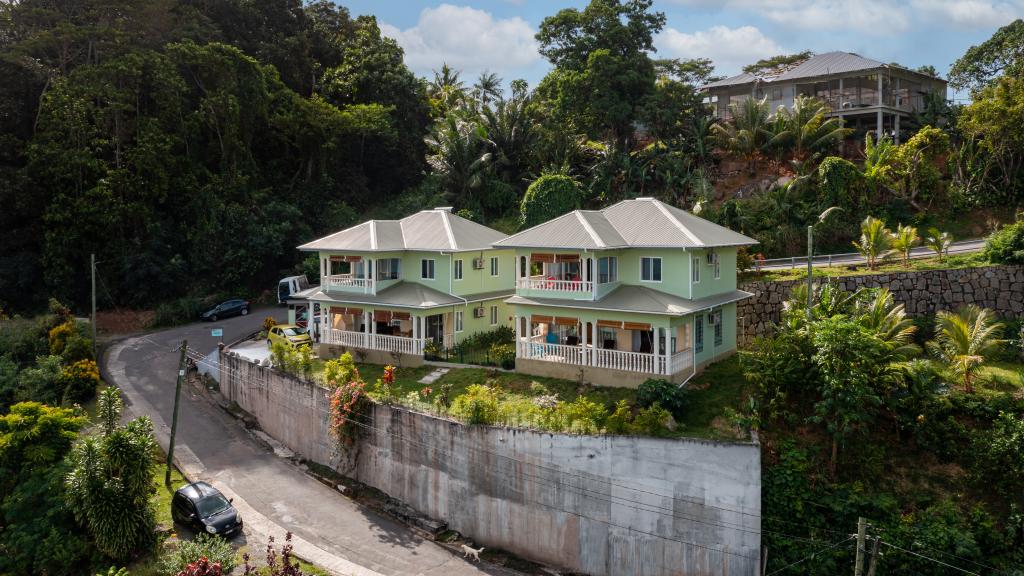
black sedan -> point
(203, 508)
(237, 307)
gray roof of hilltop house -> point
(816, 66)
(643, 222)
(399, 295)
(639, 299)
(429, 230)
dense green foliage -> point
(853, 424)
(548, 197)
(214, 549)
(1006, 245)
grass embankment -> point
(888, 266)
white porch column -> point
(325, 327)
(656, 335)
(324, 273)
(878, 133)
(518, 327)
(583, 342)
(366, 276)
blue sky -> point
(497, 35)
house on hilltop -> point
(390, 286)
(865, 93)
(638, 290)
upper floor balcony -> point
(579, 276)
(358, 274)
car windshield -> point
(294, 331)
(211, 505)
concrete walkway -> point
(272, 494)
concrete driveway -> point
(272, 494)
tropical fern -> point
(875, 241)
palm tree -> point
(875, 241)
(457, 153)
(889, 321)
(963, 339)
(939, 242)
(879, 163)
(806, 127)
(487, 87)
(748, 133)
(512, 134)
(446, 89)
(904, 240)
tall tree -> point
(1000, 55)
(602, 71)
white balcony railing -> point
(385, 342)
(542, 283)
(349, 282)
(605, 358)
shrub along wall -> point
(601, 505)
(1000, 288)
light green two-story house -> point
(389, 286)
(638, 290)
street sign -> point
(217, 332)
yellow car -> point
(289, 334)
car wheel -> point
(245, 311)
(213, 318)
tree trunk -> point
(835, 457)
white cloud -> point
(729, 48)
(970, 13)
(875, 17)
(467, 39)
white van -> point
(290, 285)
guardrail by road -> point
(850, 258)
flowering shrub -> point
(340, 370)
(202, 567)
(59, 336)
(504, 355)
(384, 388)
(79, 380)
(269, 323)
(349, 404)
(277, 565)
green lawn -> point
(890, 265)
(720, 386)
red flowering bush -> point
(384, 387)
(202, 567)
(349, 406)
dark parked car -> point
(203, 508)
(225, 309)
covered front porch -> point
(659, 346)
(399, 331)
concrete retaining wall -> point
(600, 505)
(1000, 288)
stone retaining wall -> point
(600, 505)
(1000, 288)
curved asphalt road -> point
(272, 494)
(958, 247)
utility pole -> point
(174, 418)
(862, 527)
(873, 561)
(92, 322)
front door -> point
(435, 327)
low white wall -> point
(602, 505)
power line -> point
(930, 559)
(813, 554)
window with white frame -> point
(457, 270)
(458, 320)
(650, 269)
(494, 315)
(389, 269)
(607, 270)
(718, 327)
(695, 271)
(494, 266)
(698, 334)
(427, 268)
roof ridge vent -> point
(645, 198)
(444, 208)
